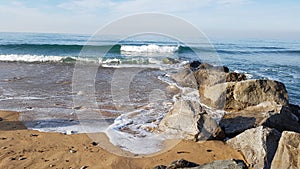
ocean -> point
(37, 71)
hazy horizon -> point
(216, 18)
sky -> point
(275, 19)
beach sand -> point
(22, 148)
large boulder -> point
(234, 123)
(288, 152)
(219, 164)
(185, 78)
(287, 119)
(258, 146)
(235, 96)
(235, 77)
(187, 120)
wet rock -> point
(235, 96)
(1, 119)
(185, 78)
(168, 60)
(68, 60)
(194, 65)
(187, 120)
(287, 119)
(84, 167)
(288, 152)
(258, 146)
(235, 77)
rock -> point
(219, 164)
(168, 60)
(181, 164)
(194, 65)
(254, 92)
(287, 119)
(160, 167)
(235, 77)
(187, 120)
(208, 76)
(1, 119)
(288, 152)
(68, 60)
(22, 158)
(234, 123)
(83, 167)
(185, 78)
(235, 96)
(258, 146)
(221, 68)
(94, 143)
(73, 151)
(223, 164)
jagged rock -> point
(194, 65)
(288, 152)
(287, 119)
(208, 76)
(160, 167)
(235, 77)
(235, 96)
(219, 164)
(181, 164)
(223, 164)
(187, 120)
(258, 146)
(185, 78)
(168, 60)
(234, 123)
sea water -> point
(37, 71)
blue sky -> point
(216, 18)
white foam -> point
(30, 58)
(148, 49)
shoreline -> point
(21, 147)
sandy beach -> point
(22, 148)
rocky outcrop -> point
(288, 152)
(219, 164)
(287, 119)
(185, 78)
(188, 120)
(235, 77)
(258, 146)
(235, 96)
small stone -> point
(12, 158)
(34, 135)
(73, 151)
(1, 119)
(51, 165)
(94, 143)
(22, 158)
(83, 167)
(3, 138)
(3, 147)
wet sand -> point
(22, 148)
